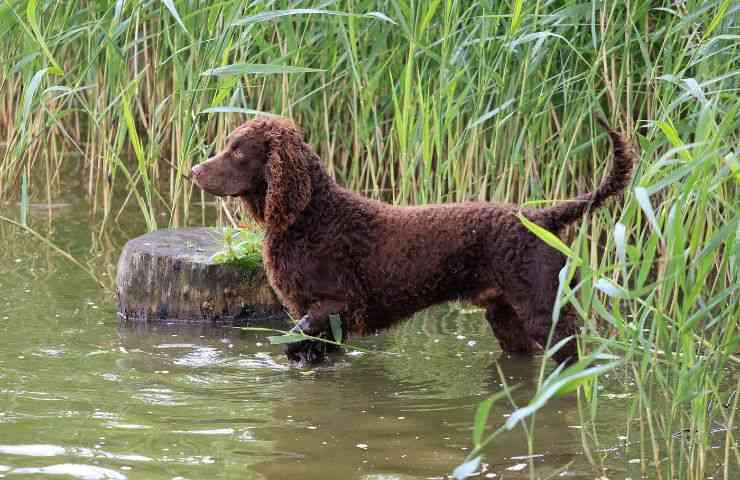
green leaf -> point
(557, 384)
(380, 16)
(719, 17)
(548, 237)
(516, 16)
(678, 174)
(643, 199)
(694, 89)
(118, 10)
(27, 59)
(220, 257)
(620, 236)
(7, 17)
(575, 380)
(672, 135)
(257, 69)
(489, 115)
(141, 160)
(171, 7)
(481, 419)
(611, 289)
(467, 468)
(336, 327)
(247, 111)
(282, 339)
(31, 16)
(28, 95)
(721, 299)
(719, 237)
(561, 343)
(266, 16)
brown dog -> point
(329, 250)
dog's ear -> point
(288, 181)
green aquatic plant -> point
(295, 335)
(561, 382)
(660, 294)
(242, 246)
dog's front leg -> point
(316, 324)
(316, 321)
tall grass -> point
(433, 101)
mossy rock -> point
(168, 275)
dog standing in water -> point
(328, 250)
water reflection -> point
(362, 414)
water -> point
(84, 397)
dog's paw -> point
(306, 325)
(310, 352)
(307, 352)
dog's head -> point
(266, 164)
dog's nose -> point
(196, 170)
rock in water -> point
(168, 275)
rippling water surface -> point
(84, 397)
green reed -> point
(433, 101)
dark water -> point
(84, 397)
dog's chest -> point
(290, 264)
(301, 268)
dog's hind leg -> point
(538, 327)
(509, 329)
(535, 305)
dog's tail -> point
(563, 214)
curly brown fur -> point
(329, 250)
